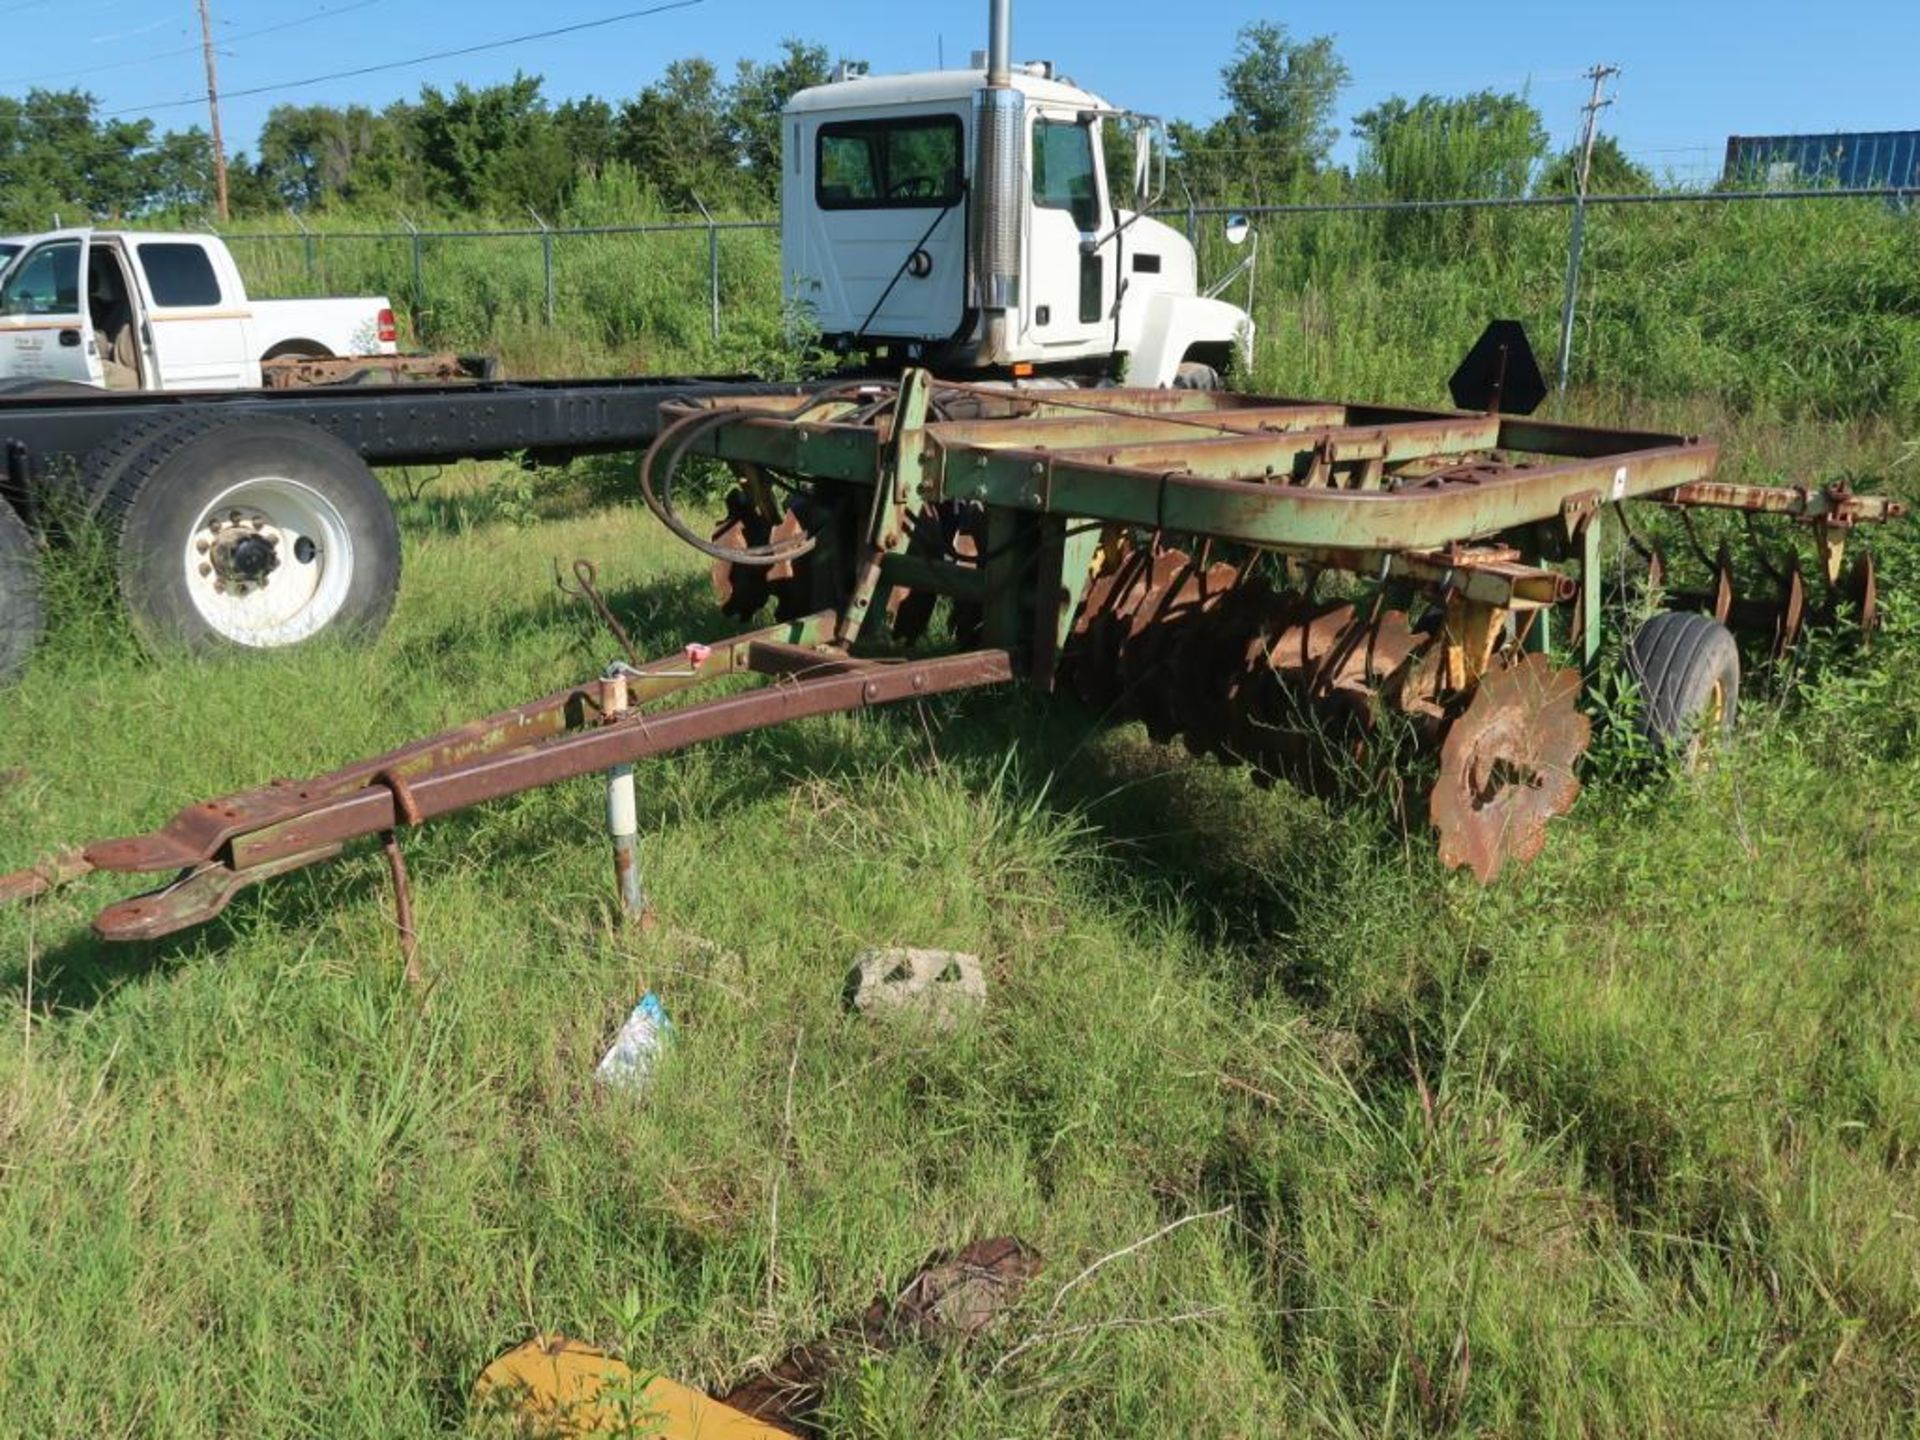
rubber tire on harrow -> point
(20, 615)
(158, 492)
(1687, 666)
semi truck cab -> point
(965, 219)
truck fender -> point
(1172, 326)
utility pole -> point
(1599, 75)
(213, 107)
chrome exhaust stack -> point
(999, 189)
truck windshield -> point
(1063, 174)
(47, 282)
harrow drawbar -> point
(1315, 591)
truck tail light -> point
(389, 332)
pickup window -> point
(47, 282)
(7, 251)
(889, 164)
(179, 274)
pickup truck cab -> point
(133, 310)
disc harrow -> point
(1316, 592)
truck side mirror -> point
(1238, 229)
(1142, 163)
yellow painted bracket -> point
(561, 1388)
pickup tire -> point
(20, 615)
(254, 532)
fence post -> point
(306, 239)
(713, 264)
(419, 273)
(546, 261)
(1576, 244)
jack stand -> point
(623, 819)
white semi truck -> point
(960, 220)
(965, 220)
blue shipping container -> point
(1870, 161)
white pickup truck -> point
(133, 310)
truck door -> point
(885, 247)
(45, 333)
(1069, 300)
(198, 328)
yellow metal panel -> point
(562, 1388)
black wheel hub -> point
(253, 558)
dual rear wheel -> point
(257, 532)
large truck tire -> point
(20, 616)
(253, 531)
(102, 468)
(27, 388)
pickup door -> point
(197, 316)
(44, 330)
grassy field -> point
(1628, 1145)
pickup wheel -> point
(19, 593)
(256, 532)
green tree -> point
(58, 156)
(316, 155)
(754, 102)
(588, 132)
(1443, 148)
(494, 149)
(677, 135)
(1611, 173)
(1278, 131)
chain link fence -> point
(1619, 280)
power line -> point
(419, 59)
(225, 40)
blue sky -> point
(1695, 70)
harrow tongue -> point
(223, 846)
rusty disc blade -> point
(741, 589)
(1507, 766)
(1863, 590)
(791, 582)
(911, 611)
(1791, 622)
